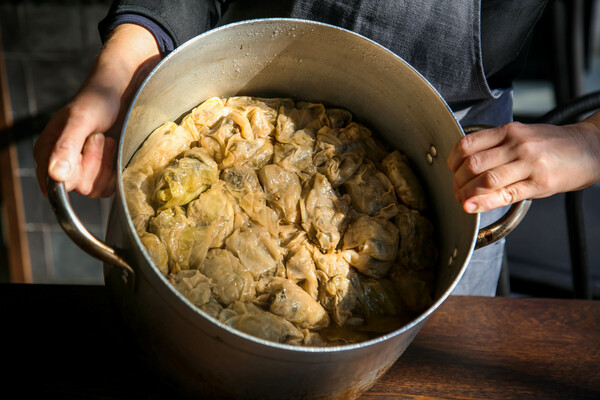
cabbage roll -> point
(407, 186)
(257, 250)
(340, 296)
(371, 245)
(186, 245)
(372, 192)
(209, 113)
(323, 213)
(337, 160)
(253, 152)
(265, 325)
(294, 158)
(414, 287)
(193, 285)
(156, 250)
(338, 117)
(215, 208)
(240, 180)
(332, 264)
(230, 280)
(138, 186)
(185, 178)
(282, 189)
(289, 301)
(417, 248)
(300, 268)
(161, 147)
(300, 125)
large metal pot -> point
(308, 61)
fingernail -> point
(60, 169)
(98, 138)
(470, 207)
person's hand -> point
(73, 147)
(500, 166)
(78, 144)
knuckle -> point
(472, 163)
(509, 195)
(465, 143)
(491, 180)
(528, 150)
(514, 128)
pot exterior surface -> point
(307, 61)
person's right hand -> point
(78, 145)
(74, 149)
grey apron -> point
(441, 40)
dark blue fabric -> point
(164, 41)
(506, 26)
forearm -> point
(126, 58)
(592, 144)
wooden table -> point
(65, 342)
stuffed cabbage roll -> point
(354, 133)
(299, 125)
(295, 158)
(407, 186)
(161, 147)
(289, 301)
(340, 296)
(376, 151)
(193, 285)
(185, 178)
(417, 248)
(244, 186)
(414, 287)
(214, 140)
(172, 227)
(209, 113)
(257, 250)
(379, 297)
(372, 192)
(261, 113)
(230, 280)
(156, 250)
(336, 159)
(300, 266)
(265, 325)
(332, 264)
(338, 117)
(323, 213)
(254, 152)
(215, 208)
(138, 186)
(282, 189)
(371, 245)
(240, 180)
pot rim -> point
(157, 277)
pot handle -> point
(509, 221)
(68, 220)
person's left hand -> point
(500, 166)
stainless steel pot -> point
(308, 61)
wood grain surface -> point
(66, 342)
